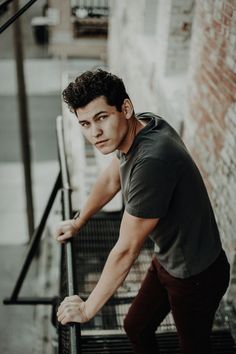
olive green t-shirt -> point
(159, 179)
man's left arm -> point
(133, 232)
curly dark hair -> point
(93, 84)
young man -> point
(165, 198)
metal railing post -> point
(75, 334)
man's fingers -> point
(58, 232)
(64, 318)
(64, 236)
(68, 301)
(67, 314)
(65, 230)
(72, 309)
(60, 317)
(65, 321)
(72, 298)
(61, 226)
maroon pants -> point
(193, 302)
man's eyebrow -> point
(97, 114)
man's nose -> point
(96, 131)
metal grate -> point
(104, 333)
(92, 248)
(222, 343)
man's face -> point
(102, 125)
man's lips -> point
(101, 142)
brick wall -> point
(210, 124)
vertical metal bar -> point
(24, 124)
(36, 239)
(75, 333)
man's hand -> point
(72, 309)
(65, 230)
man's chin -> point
(105, 151)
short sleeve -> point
(150, 189)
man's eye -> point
(102, 117)
(84, 124)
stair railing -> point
(62, 183)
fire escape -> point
(83, 257)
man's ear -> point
(127, 108)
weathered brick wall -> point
(210, 124)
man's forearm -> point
(117, 267)
(133, 232)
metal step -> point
(222, 343)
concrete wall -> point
(178, 58)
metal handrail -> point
(75, 334)
(62, 182)
(15, 17)
(63, 177)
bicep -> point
(115, 169)
(133, 232)
(113, 172)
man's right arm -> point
(104, 189)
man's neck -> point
(135, 127)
